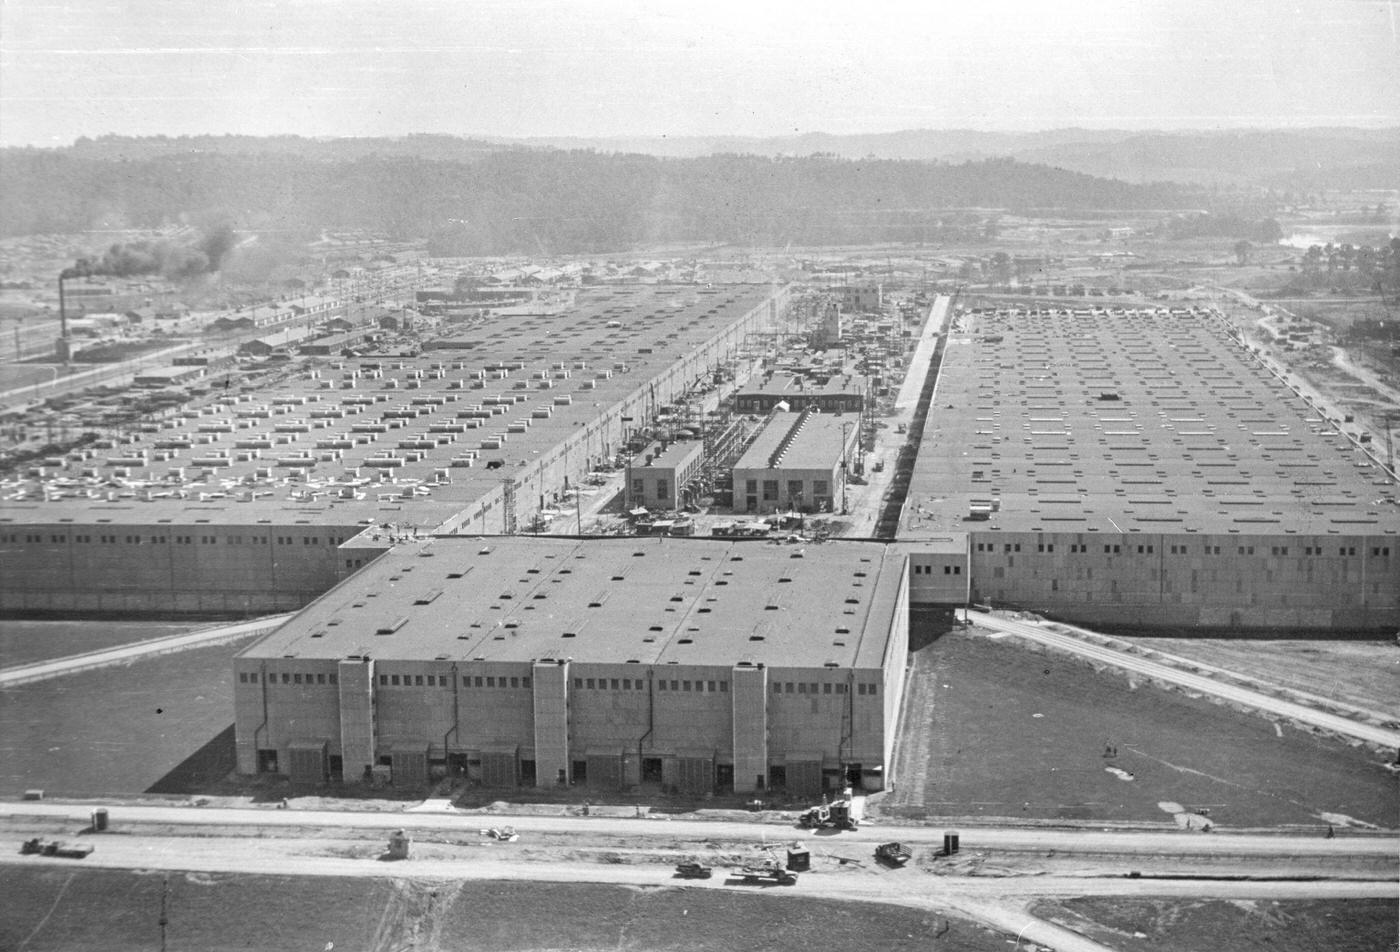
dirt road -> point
(996, 901)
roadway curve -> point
(1381, 736)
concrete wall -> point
(1226, 580)
(558, 715)
(167, 568)
(807, 497)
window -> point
(661, 486)
(466, 681)
(320, 679)
(675, 685)
(613, 684)
(826, 688)
(524, 682)
(820, 487)
(710, 686)
(751, 486)
(589, 683)
(794, 489)
(626, 684)
(661, 685)
(491, 682)
(243, 677)
(1380, 551)
(777, 688)
(770, 490)
(480, 681)
(685, 685)
(639, 487)
(801, 687)
(394, 680)
(418, 680)
(383, 680)
(724, 687)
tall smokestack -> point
(63, 350)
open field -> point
(996, 728)
(77, 910)
(1363, 673)
(1358, 925)
(114, 730)
(23, 642)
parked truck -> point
(768, 872)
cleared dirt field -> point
(996, 728)
(114, 730)
(1359, 925)
(1363, 673)
(108, 911)
(22, 642)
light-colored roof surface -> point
(1200, 438)
(312, 418)
(654, 600)
(787, 385)
(814, 444)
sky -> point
(522, 68)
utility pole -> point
(845, 471)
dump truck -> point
(769, 872)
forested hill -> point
(557, 201)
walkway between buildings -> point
(43, 670)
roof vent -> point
(392, 626)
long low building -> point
(257, 501)
(1143, 468)
(697, 665)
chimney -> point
(62, 323)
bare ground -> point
(1362, 673)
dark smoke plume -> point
(158, 257)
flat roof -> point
(1126, 420)
(814, 441)
(675, 454)
(310, 432)
(784, 385)
(653, 601)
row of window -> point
(1381, 552)
(288, 677)
(928, 570)
(178, 540)
(443, 681)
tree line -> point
(549, 201)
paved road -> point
(998, 902)
(56, 667)
(1006, 838)
(1382, 736)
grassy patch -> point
(1014, 731)
(1164, 925)
(110, 911)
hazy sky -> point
(656, 67)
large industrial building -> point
(797, 462)
(258, 501)
(1143, 467)
(698, 665)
